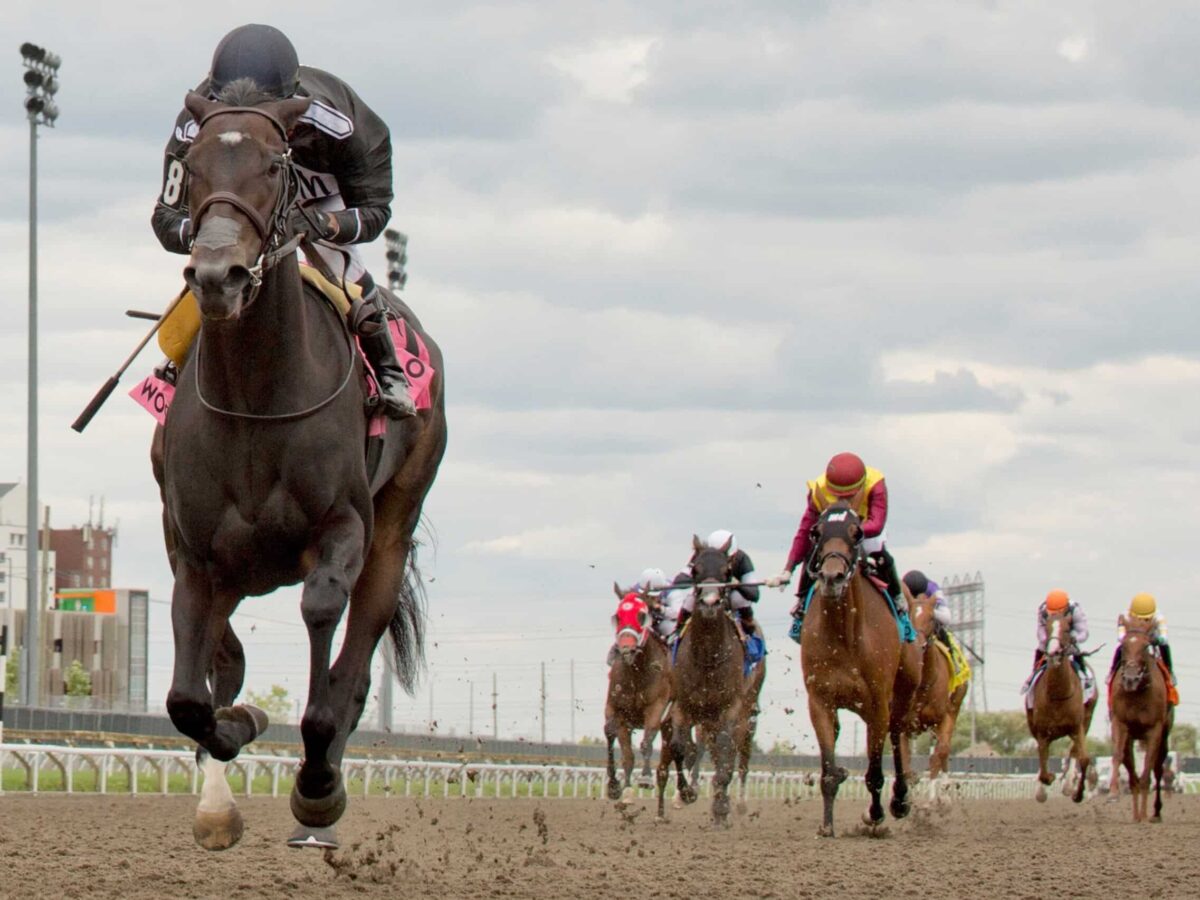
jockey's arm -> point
(802, 542)
(941, 610)
(1041, 626)
(1079, 625)
(744, 571)
(364, 176)
(170, 219)
(877, 511)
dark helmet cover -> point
(258, 52)
(916, 582)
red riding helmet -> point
(845, 474)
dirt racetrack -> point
(141, 847)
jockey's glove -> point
(780, 580)
(313, 222)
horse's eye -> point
(275, 167)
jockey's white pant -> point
(875, 544)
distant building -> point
(82, 617)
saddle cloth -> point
(960, 669)
(904, 625)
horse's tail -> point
(407, 628)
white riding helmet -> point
(651, 579)
(718, 538)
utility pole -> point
(495, 730)
(471, 708)
(572, 701)
(543, 703)
(41, 84)
(432, 723)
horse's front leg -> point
(319, 795)
(1080, 753)
(625, 739)
(1044, 776)
(724, 756)
(199, 618)
(650, 727)
(610, 740)
(664, 768)
(901, 756)
(825, 725)
(877, 734)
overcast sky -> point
(674, 252)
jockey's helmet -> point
(652, 579)
(845, 474)
(1143, 606)
(1057, 601)
(718, 539)
(917, 583)
(258, 52)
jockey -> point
(918, 584)
(1144, 606)
(343, 156)
(1057, 601)
(741, 569)
(846, 478)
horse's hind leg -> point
(1084, 760)
(664, 769)
(900, 805)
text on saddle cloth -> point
(960, 669)
(413, 357)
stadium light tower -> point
(41, 84)
(397, 258)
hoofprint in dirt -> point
(130, 847)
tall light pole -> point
(41, 84)
(397, 258)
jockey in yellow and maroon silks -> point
(847, 478)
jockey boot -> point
(797, 610)
(1038, 656)
(746, 616)
(885, 565)
(369, 322)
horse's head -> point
(921, 612)
(710, 567)
(1136, 652)
(1060, 642)
(632, 624)
(836, 549)
(240, 186)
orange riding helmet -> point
(1057, 601)
(845, 474)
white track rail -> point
(409, 778)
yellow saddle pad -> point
(960, 669)
(181, 325)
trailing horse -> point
(639, 689)
(935, 706)
(265, 480)
(850, 653)
(710, 688)
(1056, 706)
(1140, 710)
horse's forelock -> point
(244, 92)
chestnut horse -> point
(1056, 707)
(709, 686)
(264, 478)
(934, 707)
(1139, 711)
(850, 653)
(639, 689)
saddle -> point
(960, 669)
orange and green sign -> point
(91, 600)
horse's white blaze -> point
(232, 138)
(215, 794)
(1052, 646)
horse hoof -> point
(825, 831)
(645, 784)
(677, 803)
(218, 829)
(1040, 794)
(900, 808)
(689, 794)
(661, 820)
(247, 714)
(742, 809)
(305, 837)
(319, 812)
(869, 820)
(614, 790)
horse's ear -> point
(697, 544)
(1122, 621)
(727, 545)
(617, 591)
(199, 105)
(289, 111)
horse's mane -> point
(244, 92)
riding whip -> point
(102, 395)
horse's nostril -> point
(237, 279)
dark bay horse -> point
(709, 686)
(1139, 711)
(935, 707)
(263, 473)
(850, 653)
(1057, 707)
(639, 689)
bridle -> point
(818, 558)
(699, 589)
(1134, 680)
(271, 250)
(270, 230)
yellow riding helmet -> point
(1143, 606)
